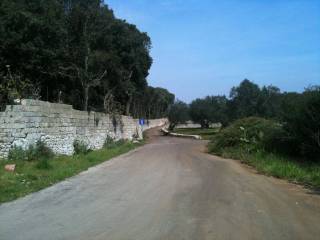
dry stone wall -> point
(59, 125)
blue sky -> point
(204, 47)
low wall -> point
(59, 125)
(189, 125)
(196, 125)
(166, 132)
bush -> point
(251, 134)
(33, 153)
(301, 118)
(111, 143)
(80, 147)
(39, 151)
(17, 154)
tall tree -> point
(78, 52)
(244, 100)
(212, 109)
(178, 114)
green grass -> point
(28, 178)
(278, 166)
(204, 133)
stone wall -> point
(59, 125)
(190, 124)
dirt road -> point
(167, 189)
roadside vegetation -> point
(276, 132)
(38, 168)
(259, 143)
(76, 52)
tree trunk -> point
(128, 105)
(86, 98)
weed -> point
(17, 154)
(80, 147)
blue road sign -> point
(141, 121)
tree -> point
(85, 57)
(178, 114)
(212, 109)
(269, 102)
(133, 48)
(78, 52)
(158, 102)
(301, 120)
(14, 87)
(32, 40)
(244, 100)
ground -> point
(167, 189)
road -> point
(167, 189)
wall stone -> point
(59, 125)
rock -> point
(10, 167)
(17, 101)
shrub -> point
(80, 147)
(251, 134)
(301, 116)
(111, 143)
(33, 153)
(17, 154)
(39, 151)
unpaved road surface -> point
(167, 189)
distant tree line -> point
(76, 52)
(297, 113)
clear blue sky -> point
(204, 47)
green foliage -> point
(277, 165)
(36, 152)
(301, 117)
(13, 86)
(80, 147)
(251, 134)
(17, 154)
(264, 145)
(212, 109)
(79, 53)
(31, 176)
(111, 143)
(295, 132)
(269, 102)
(157, 102)
(244, 100)
(43, 163)
(39, 151)
(178, 114)
(248, 99)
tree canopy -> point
(211, 109)
(178, 114)
(78, 52)
(297, 113)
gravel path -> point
(167, 189)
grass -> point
(203, 132)
(278, 166)
(29, 178)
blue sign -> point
(141, 121)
